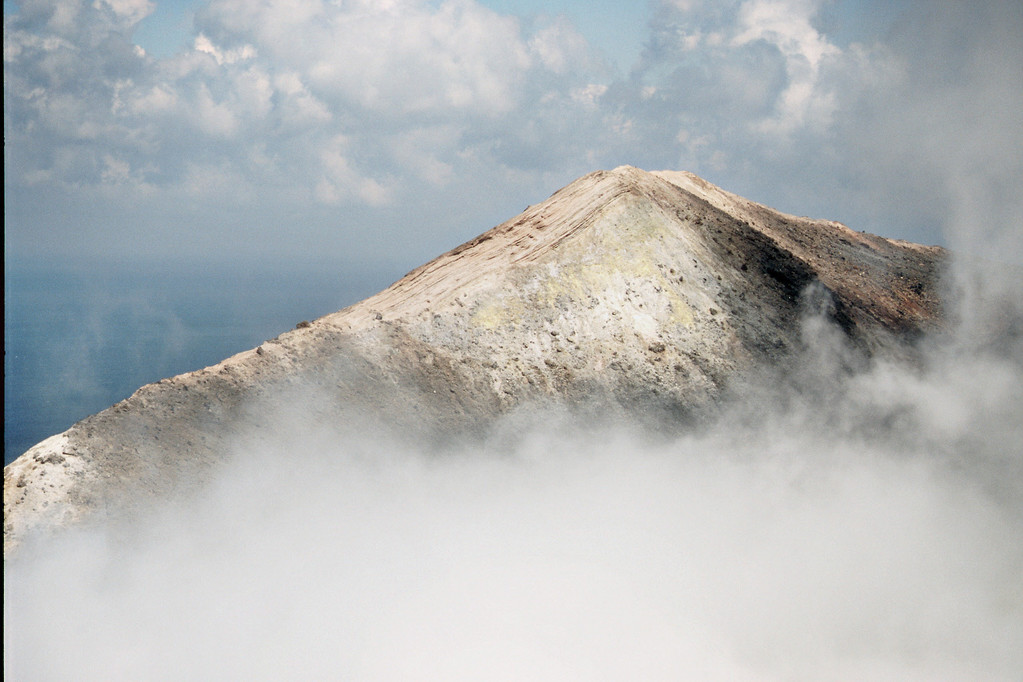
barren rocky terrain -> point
(648, 294)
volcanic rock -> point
(644, 292)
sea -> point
(79, 339)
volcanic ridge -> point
(648, 293)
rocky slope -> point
(643, 292)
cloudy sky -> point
(387, 131)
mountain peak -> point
(679, 207)
(648, 291)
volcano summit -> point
(647, 293)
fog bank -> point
(832, 525)
(839, 519)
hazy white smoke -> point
(860, 528)
(849, 521)
(843, 520)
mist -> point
(839, 519)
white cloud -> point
(432, 95)
(254, 92)
(157, 100)
(341, 181)
(589, 94)
(298, 107)
(133, 11)
(243, 53)
(64, 14)
(214, 118)
(691, 41)
(294, 77)
(426, 152)
(786, 25)
(116, 170)
(560, 47)
(401, 57)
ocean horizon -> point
(79, 339)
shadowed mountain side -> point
(640, 292)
